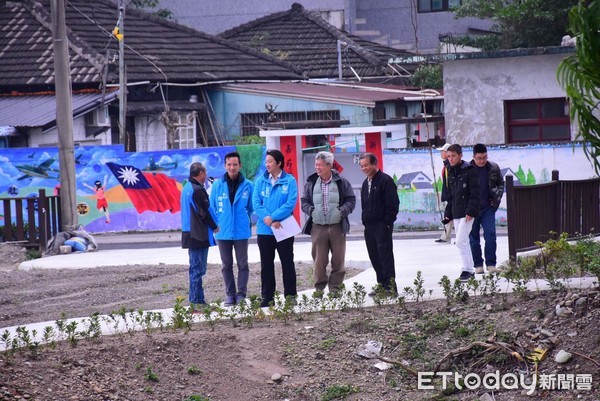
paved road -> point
(168, 239)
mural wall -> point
(417, 173)
(119, 191)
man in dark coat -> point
(491, 184)
(197, 228)
(380, 204)
(463, 205)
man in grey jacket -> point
(328, 199)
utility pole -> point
(122, 77)
(64, 117)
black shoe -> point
(372, 294)
(440, 240)
(230, 301)
(265, 303)
(466, 276)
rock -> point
(369, 350)
(486, 397)
(488, 307)
(276, 377)
(547, 333)
(563, 311)
(581, 302)
(569, 303)
(383, 366)
(562, 356)
(547, 321)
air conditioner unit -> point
(98, 117)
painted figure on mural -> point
(101, 202)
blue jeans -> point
(487, 221)
(198, 258)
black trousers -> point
(285, 249)
(378, 237)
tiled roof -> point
(306, 40)
(40, 110)
(156, 49)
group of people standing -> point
(472, 192)
(328, 199)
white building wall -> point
(37, 139)
(475, 91)
(150, 134)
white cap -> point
(445, 147)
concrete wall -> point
(214, 17)
(383, 21)
(475, 91)
(389, 22)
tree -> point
(521, 23)
(580, 76)
(152, 4)
(428, 76)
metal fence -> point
(534, 212)
(30, 221)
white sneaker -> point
(479, 270)
(494, 269)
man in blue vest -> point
(231, 199)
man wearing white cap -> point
(446, 236)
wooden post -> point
(558, 212)
(42, 220)
(511, 223)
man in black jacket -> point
(197, 227)
(463, 205)
(491, 184)
(380, 203)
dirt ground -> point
(315, 354)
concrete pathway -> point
(434, 260)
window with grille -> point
(431, 6)
(538, 120)
(185, 135)
(251, 121)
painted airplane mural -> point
(40, 170)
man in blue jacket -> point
(231, 199)
(197, 227)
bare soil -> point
(315, 353)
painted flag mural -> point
(153, 192)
